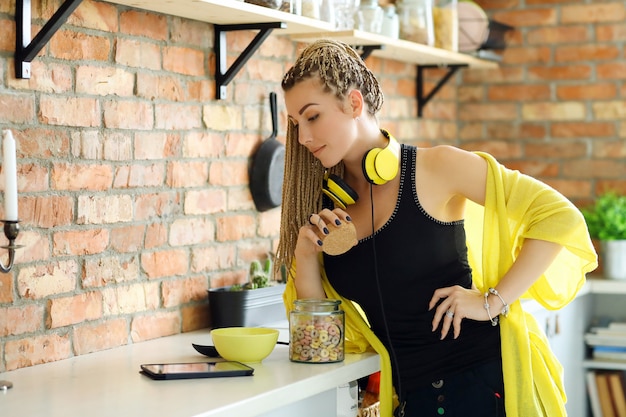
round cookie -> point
(339, 239)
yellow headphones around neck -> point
(380, 165)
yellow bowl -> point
(244, 344)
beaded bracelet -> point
(505, 306)
(494, 320)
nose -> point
(304, 135)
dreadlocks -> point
(339, 69)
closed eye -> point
(313, 118)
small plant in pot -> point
(255, 303)
(606, 221)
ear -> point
(355, 103)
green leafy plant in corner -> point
(259, 276)
(606, 218)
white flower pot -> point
(614, 259)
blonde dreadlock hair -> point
(339, 69)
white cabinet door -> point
(565, 329)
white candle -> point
(9, 169)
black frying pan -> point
(267, 168)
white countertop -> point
(108, 383)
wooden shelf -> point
(606, 286)
(400, 50)
(598, 364)
(304, 29)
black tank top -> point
(414, 255)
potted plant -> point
(606, 221)
(255, 303)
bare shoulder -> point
(454, 170)
(445, 157)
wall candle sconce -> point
(11, 222)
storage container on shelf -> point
(316, 331)
(416, 21)
(446, 23)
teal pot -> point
(614, 259)
(246, 308)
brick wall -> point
(133, 179)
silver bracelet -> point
(505, 306)
(494, 320)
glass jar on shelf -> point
(416, 21)
(446, 21)
(391, 23)
(316, 331)
(369, 16)
(344, 13)
(310, 8)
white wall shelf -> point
(304, 29)
(598, 285)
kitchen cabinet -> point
(108, 383)
(565, 330)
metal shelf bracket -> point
(366, 50)
(224, 75)
(25, 49)
(423, 99)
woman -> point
(448, 242)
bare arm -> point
(308, 279)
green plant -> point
(606, 218)
(259, 276)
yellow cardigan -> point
(517, 207)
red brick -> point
(69, 111)
(140, 23)
(165, 263)
(135, 175)
(214, 258)
(558, 73)
(156, 235)
(104, 209)
(613, 70)
(80, 242)
(150, 206)
(95, 15)
(182, 60)
(571, 189)
(519, 92)
(609, 149)
(81, 177)
(6, 288)
(177, 116)
(527, 55)
(179, 292)
(554, 111)
(582, 130)
(611, 33)
(182, 174)
(593, 13)
(158, 324)
(75, 46)
(21, 319)
(95, 337)
(588, 91)
(132, 298)
(206, 145)
(590, 52)
(206, 201)
(101, 272)
(190, 231)
(36, 350)
(127, 239)
(599, 169)
(227, 173)
(104, 81)
(128, 115)
(17, 108)
(565, 150)
(153, 86)
(607, 110)
(473, 112)
(42, 143)
(48, 212)
(72, 310)
(48, 77)
(230, 228)
(528, 17)
(195, 317)
(191, 32)
(41, 281)
(135, 53)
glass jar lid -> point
(317, 305)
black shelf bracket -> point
(423, 99)
(224, 75)
(366, 50)
(25, 49)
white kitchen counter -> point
(108, 383)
